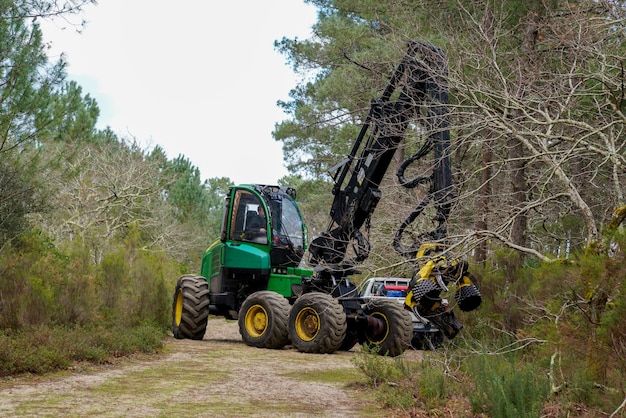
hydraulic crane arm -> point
(417, 90)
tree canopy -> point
(536, 92)
(74, 182)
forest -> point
(95, 229)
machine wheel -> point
(190, 308)
(263, 320)
(394, 336)
(317, 323)
(423, 288)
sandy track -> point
(219, 376)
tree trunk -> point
(484, 195)
(519, 191)
(485, 189)
(517, 163)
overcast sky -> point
(199, 78)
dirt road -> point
(217, 377)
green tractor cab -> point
(261, 247)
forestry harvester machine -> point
(253, 272)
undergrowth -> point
(549, 340)
(38, 349)
(58, 307)
(505, 388)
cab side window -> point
(248, 222)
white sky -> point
(199, 78)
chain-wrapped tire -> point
(424, 287)
(263, 319)
(190, 308)
(317, 323)
(468, 297)
(393, 329)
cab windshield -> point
(287, 231)
(289, 224)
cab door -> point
(246, 250)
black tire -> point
(394, 337)
(423, 288)
(317, 323)
(190, 308)
(263, 320)
(468, 297)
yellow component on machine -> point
(426, 249)
(429, 258)
(409, 301)
(256, 321)
(464, 281)
(307, 324)
(422, 274)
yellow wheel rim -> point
(178, 310)
(375, 339)
(256, 321)
(307, 324)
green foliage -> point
(122, 341)
(147, 299)
(392, 377)
(432, 383)
(113, 273)
(403, 384)
(76, 298)
(506, 388)
(135, 285)
(570, 312)
(35, 106)
(502, 282)
(19, 196)
(27, 292)
(377, 369)
(86, 238)
(54, 311)
(69, 116)
(42, 349)
(345, 66)
(27, 80)
(32, 350)
(43, 285)
(187, 193)
(612, 331)
(396, 397)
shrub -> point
(38, 349)
(377, 369)
(432, 382)
(505, 387)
